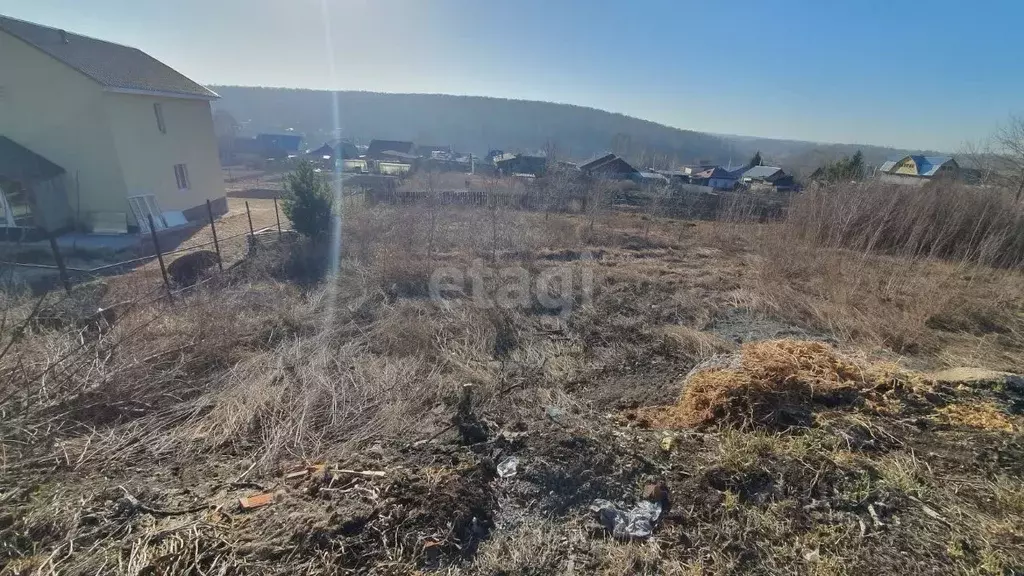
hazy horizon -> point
(712, 133)
(864, 73)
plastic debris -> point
(508, 467)
(636, 524)
(555, 414)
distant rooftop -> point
(380, 147)
(761, 172)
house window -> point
(145, 207)
(181, 175)
(158, 109)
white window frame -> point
(181, 177)
(6, 216)
(145, 205)
(161, 123)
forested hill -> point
(478, 124)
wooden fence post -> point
(160, 257)
(278, 216)
(60, 264)
(213, 228)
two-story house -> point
(124, 137)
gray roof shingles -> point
(112, 65)
(761, 172)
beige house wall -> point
(147, 156)
(59, 113)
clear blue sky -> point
(912, 74)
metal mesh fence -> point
(160, 266)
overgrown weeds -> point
(124, 449)
(939, 220)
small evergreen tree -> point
(308, 201)
(847, 169)
(856, 166)
(756, 160)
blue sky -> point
(910, 74)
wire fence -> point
(196, 247)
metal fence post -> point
(160, 257)
(213, 228)
(60, 264)
(252, 233)
(278, 216)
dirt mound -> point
(771, 384)
(186, 270)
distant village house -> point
(521, 165)
(717, 178)
(916, 170)
(609, 166)
(768, 177)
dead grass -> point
(696, 343)
(983, 416)
(772, 384)
(907, 269)
(804, 460)
(940, 220)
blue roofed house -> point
(917, 170)
(717, 177)
(279, 145)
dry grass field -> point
(786, 395)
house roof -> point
(422, 149)
(716, 172)
(395, 155)
(282, 142)
(523, 164)
(20, 163)
(118, 68)
(608, 164)
(378, 147)
(929, 165)
(597, 161)
(322, 151)
(653, 176)
(887, 165)
(762, 172)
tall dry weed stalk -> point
(939, 220)
(912, 269)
